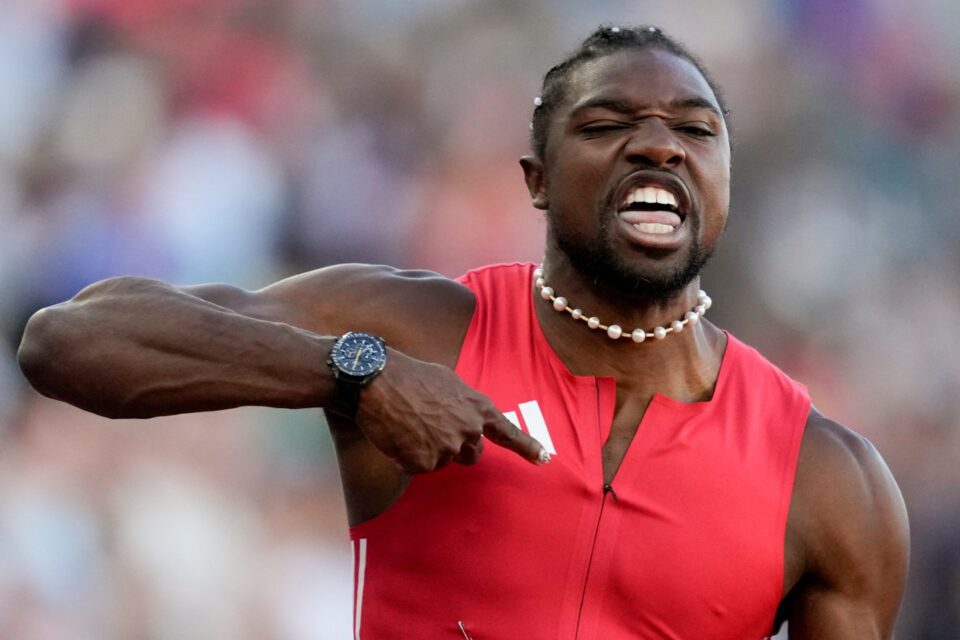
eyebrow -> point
(624, 107)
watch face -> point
(359, 354)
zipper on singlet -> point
(607, 490)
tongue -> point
(663, 217)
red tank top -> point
(688, 544)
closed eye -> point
(699, 132)
(602, 127)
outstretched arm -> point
(133, 347)
(849, 525)
(138, 348)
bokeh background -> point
(246, 140)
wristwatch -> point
(356, 359)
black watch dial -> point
(359, 354)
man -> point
(680, 486)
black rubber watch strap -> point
(346, 398)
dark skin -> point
(131, 347)
(631, 114)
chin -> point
(654, 285)
(652, 279)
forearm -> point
(139, 348)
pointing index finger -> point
(504, 433)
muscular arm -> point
(132, 347)
(849, 534)
(136, 348)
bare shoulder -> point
(419, 312)
(848, 535)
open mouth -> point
(652, 209)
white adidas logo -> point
(535, 424)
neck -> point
(683, 365)
(614, 306)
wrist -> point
(356, 359)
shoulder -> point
(842, 480)
(848, 524)
(419, 312)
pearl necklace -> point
(614, 331)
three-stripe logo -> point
(536, 426)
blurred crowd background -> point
(246, 140)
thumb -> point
(504, 433)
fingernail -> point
(543, 457)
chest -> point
(625, 422)
(692, 504)
(684, 535)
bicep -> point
(857, 540)
(418, 312)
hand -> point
(422, 416)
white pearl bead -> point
(576, 314)
(593, 322)
(701, 295)
(538, 101)
(677, 326)
(707, 303)
(538, 273)
(692, 318)
(638, 335)
(540, 283)
(560, 303)
(659, 333)
(614, 331)
(700, 309)
(546, 293)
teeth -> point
(653, 227)
(650, 195)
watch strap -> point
(346, 397)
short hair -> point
(605, 41)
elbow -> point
(39, 349)
(79, 352)
(45, 357)
(53, 336)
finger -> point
(501, 431)
(419, 466)
(470, 452)
(443, 461)
(413, 462)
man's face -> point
(636, 173)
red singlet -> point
(688, 545)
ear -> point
(536, 184)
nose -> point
(655, 145)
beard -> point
(600, 264)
